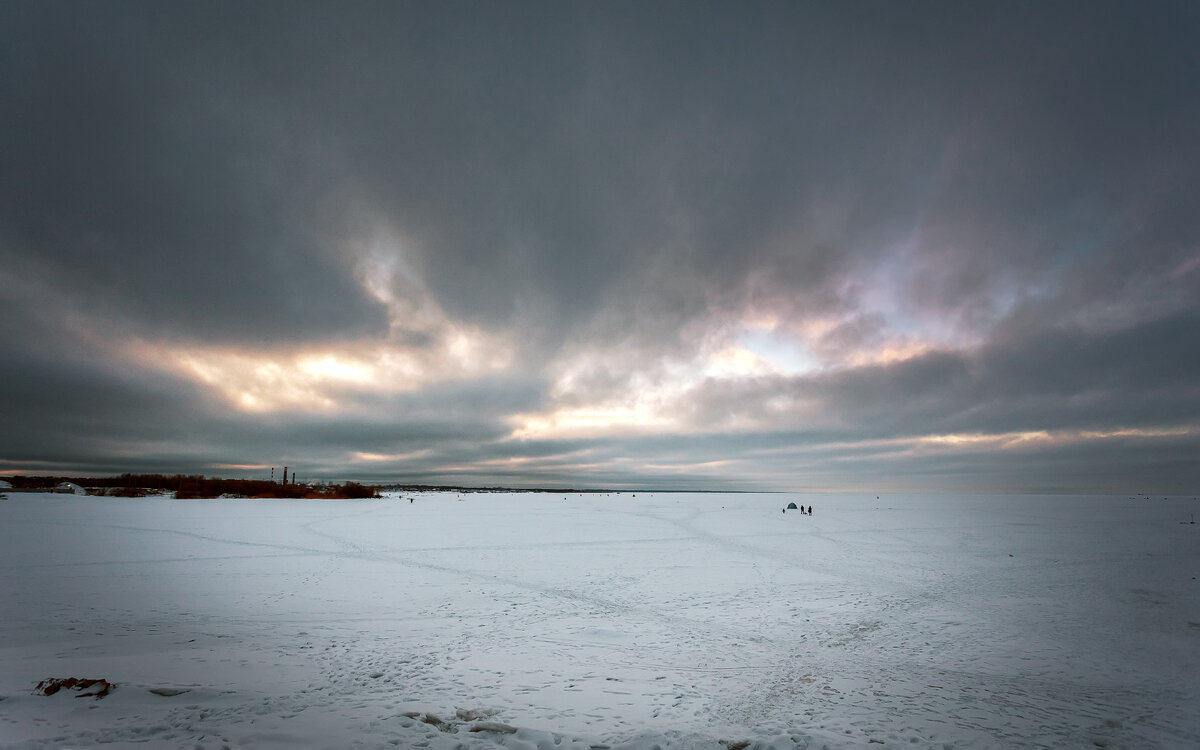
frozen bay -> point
(579, 620)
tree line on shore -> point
(195, 486)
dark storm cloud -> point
(201, 165)
(62, 401)
(148, 178)
(1014, 183)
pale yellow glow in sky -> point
(1009, 440)
(1140, 432)
(652, 395)
(890, 352)
(326, 380)
(687, 468)
(799, 346)
(589, 422)
(736, 362)
(1000, 440)
(328, 367)
(362, 457)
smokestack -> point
(272, 475)
(285, 475)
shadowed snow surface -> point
(540, 621)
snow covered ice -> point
(544, 621)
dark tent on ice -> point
(791, 506)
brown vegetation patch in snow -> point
(98, 688)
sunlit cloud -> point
(1004, 441)
(832, 341)
(328, 367)
(1140, 432)
(263, 381)
(760, 350)
(326, 379)
(631, 389)
(736, 362)
(390, 458)
(1000, 441)
(424, 346)
(689, 467)
(590, 422)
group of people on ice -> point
(792, 506)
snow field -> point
(551, 621)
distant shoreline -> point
(195, 485)
(177, 482)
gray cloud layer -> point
(1010, 190)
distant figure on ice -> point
(810, 510)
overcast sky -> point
(797, 246)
